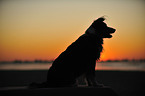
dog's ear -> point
(101, 19)
(97, 22)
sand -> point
(124, 83)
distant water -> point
(129, 66)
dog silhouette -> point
(79, 58)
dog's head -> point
(100, 29)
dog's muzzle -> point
(111, 30)
(108, 32)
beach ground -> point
(124, 83)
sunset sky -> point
(42, 29)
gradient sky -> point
(42, 29)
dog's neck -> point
(96, 39)
(91, 30)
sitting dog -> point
(79, 58)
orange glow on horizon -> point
(32, 29)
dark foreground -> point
(70, 91)
(124, 83)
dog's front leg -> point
(91, 76)
(91, 80)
